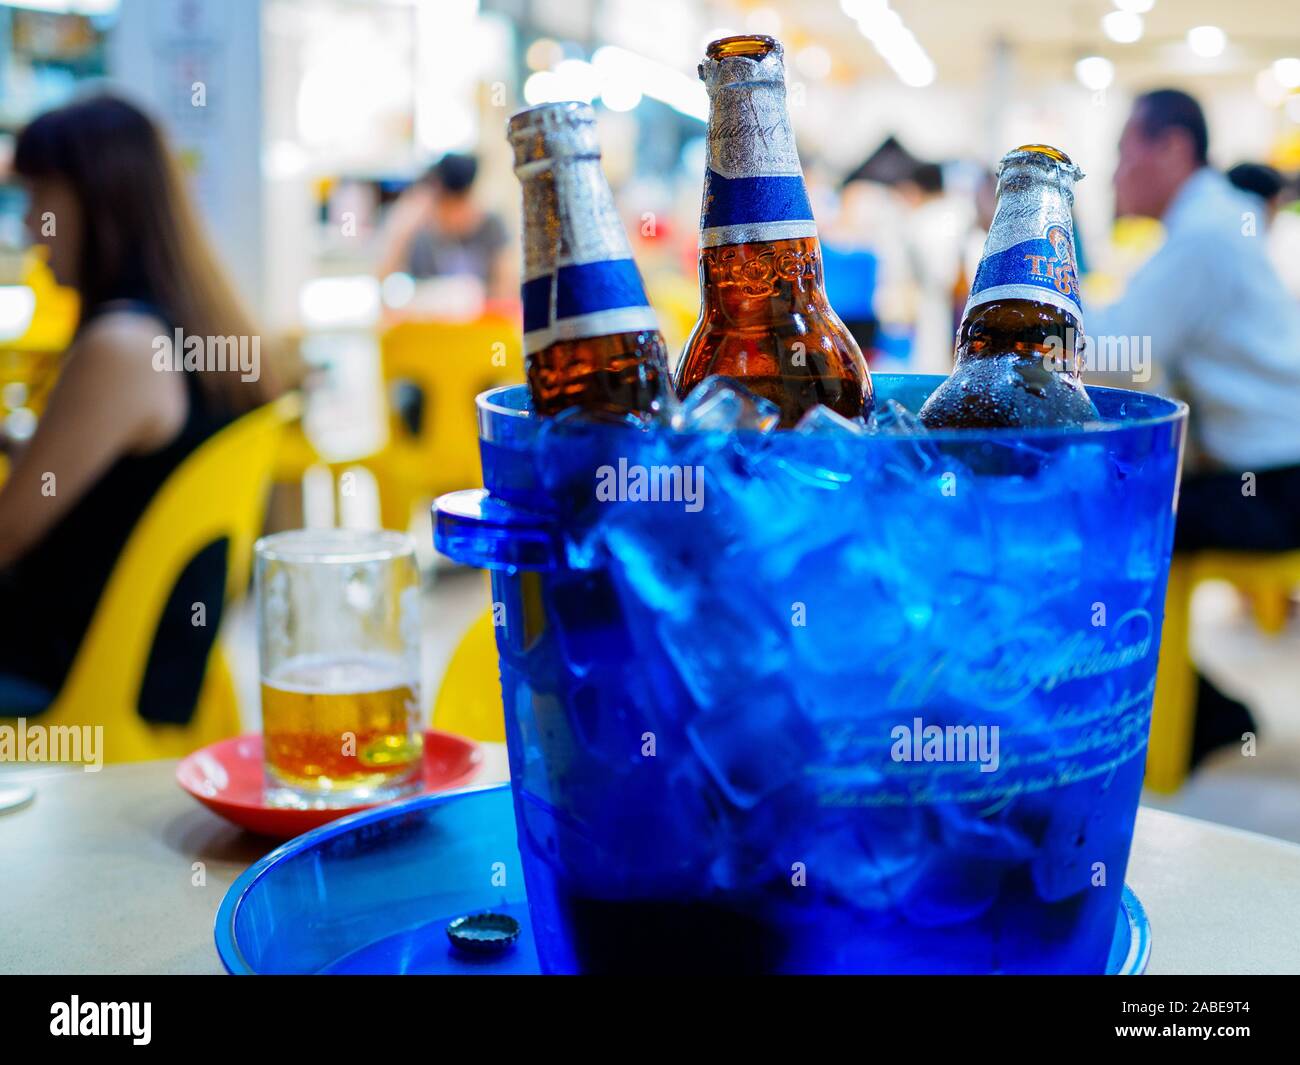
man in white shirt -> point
(1224, 336)
(1225, 333)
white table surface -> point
(96, 876)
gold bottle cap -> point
(1040, 159)
(750, 45)
(1047, 150)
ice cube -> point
(756, 743)
(822, 421)
(895, 419)
(722, 404)
(708, 643)
(911, 456)
(869, 858)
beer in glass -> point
(338, 646)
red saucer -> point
(226, 777)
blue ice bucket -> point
(826, 701)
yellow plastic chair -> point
(1267, 580)
(218, 491)
(451, 363)
(54, 319)
(469, 698)
(33, 358)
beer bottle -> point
(764, 316)
(1017, 359)
(590, 337)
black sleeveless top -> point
(48, 597)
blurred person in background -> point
(107, 200)
(1283, 226)
(1224, 336)
(1261, 181)
(849, 262)
(984, 202)
(935, 232)
(437, 229)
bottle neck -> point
(753, 185)
(569, 215)
(1029, 253)
(760, 261)
(579, 279)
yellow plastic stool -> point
(1268, 580)
(1170, 746)
(218, 491)
(469, 698)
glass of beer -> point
(338, 615)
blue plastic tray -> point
(372, 893)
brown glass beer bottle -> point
(590, 337)
(1018, 347)
(764, 316)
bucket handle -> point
(475, 528)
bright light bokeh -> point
(1206, 41)
(813, 61)
(627, 71)
(577, 80)
(897, 45)
(542, 88)
(1122, 27)
(17, 305)
(1095, 72)
(1269, 89)
(1287, 72)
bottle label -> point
(585, 300)
(753, 187)
(579, 277)
(744, 210)
(1039, 268)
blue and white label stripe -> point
(1033, 269)
(740, 210)
(585, 300)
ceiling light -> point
(1206, 41)
(1094, 72)
(1122, 27)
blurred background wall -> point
(301, 120)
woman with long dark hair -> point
(107, 200)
